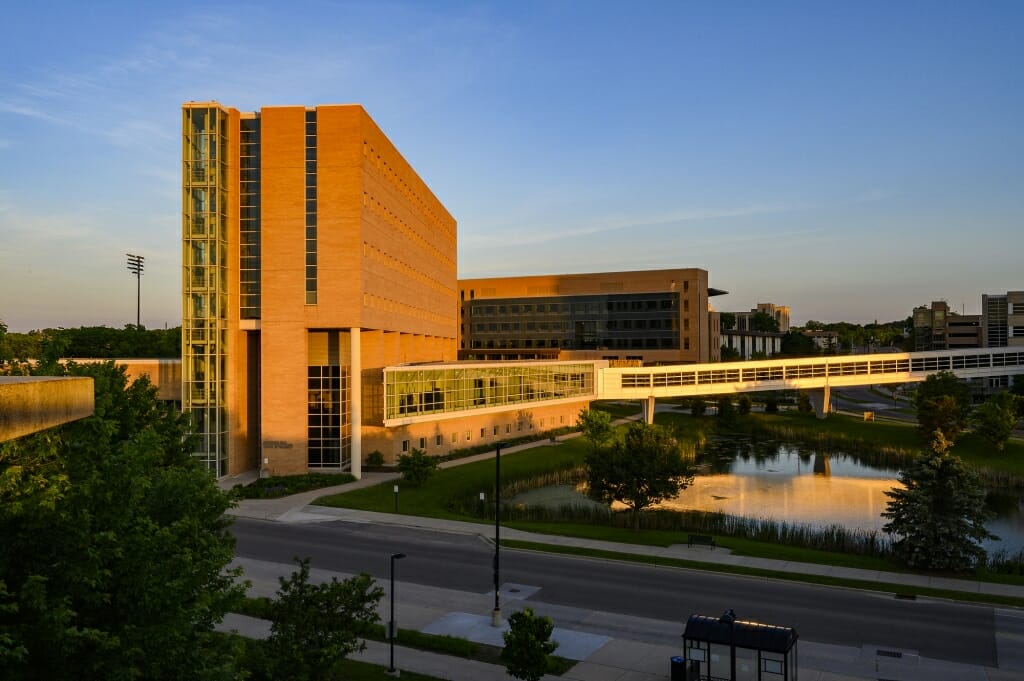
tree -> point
(942, 413)
(803, 403)
(938, 516)
(771, 404)
(642, 469)
(744, 404)
(726, 409)
(314, 626)
(116, 546)
(996, 418)
(726, 321)
(596, 426)
(936, 413)
(417, 466)
(796, 344)
(763, 322)
(528, 645)
(1017, 389)
(698, 406)
(728, 354)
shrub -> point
(743, 405)
(417, 466)
(375, 459)
(771, 404)
(528, 645)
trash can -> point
(678, 669)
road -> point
(937, 629)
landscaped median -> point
(453, 494)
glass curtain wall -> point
(329, 421)
(204, 280)
(418, 392)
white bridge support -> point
(648, 409)
(821, 400)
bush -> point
(698, 406)
(771, 405)
(743, 405)
(285, 485)
(375, 459)
(528, 645)
(803, 403)
(417, 466)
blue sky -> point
(851, 160)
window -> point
(495, 430)
(405, 445)
(483, 432)
(455, 438)
(508, 427)
(438, 440)
(561, 419)
(469, 435)
(423, 443)
(686, 344)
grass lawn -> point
(618, 410)
(431, 499)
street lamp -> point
(135, 266)
(496, 614)
(392, 629)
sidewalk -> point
(615, 653)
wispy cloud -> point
(514, 236)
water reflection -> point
(765, 479)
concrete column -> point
(356, 402)
(820, 399)
(648, 410)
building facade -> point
(936, 327)
(1003, 319)
(313, 254)
(646, 317)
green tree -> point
(726, 321)
(596, 426)
(528, 645)
(764, 322)
(771, 404)
(943, 403)
(315, 626)
(116, 546)
(938, 516)
(803, 403)
(642, 469)
(796, 344)
(996, 418)
(727, 354)
(1017, 389)
(744, 404)
(698, 405)
(726, 410)
(417, 466)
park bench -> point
(704, 539)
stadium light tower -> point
(135, 266)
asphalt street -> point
(937, 629)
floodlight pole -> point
(135, 266)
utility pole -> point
(135, 266)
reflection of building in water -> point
(856, 503)
(822, 465)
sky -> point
(849, 159)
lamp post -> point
(396, 498)
(392, 629)
(496, 614)
(135, 266)
(729, 617)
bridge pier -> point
(820, 399)
(648, 410)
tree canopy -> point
(943, 403)
(115, 546)
(996, 418)
(596, 426)
(93, 342)
(938, 516)
(639, 471)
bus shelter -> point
(727, 649)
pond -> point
(768, 479)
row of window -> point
(575, 308)
(670, 324)
(311, 251)
(494, 431)
(573, 344)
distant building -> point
(823, 340)
(1002, 319)
(936, 327)
(747, 341)
(647, 317)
